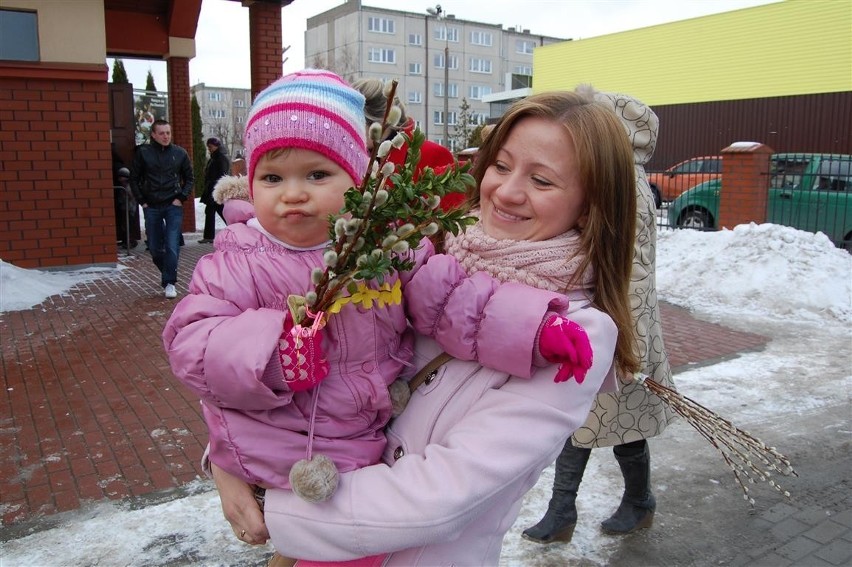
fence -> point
(811, 192)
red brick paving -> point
(89, 408)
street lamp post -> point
(440, 15)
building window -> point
(476, 92)
(216, 113)
(481, 38)
(217, 97)
(452, 90)
(438, 118)
(479, 65)
(439, 61)
(239, 119)
(415, 39)
(239, 102)
(381, 55)
(523, 70)
(415, 97)
(446, 33)
(524, 46)
(415, 69)
(18, 35)
(380, 25)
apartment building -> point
(223, 114)
(360, 41)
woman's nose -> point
(511, 189)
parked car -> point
(811, 192)
(667, 185)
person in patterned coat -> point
(627, 419)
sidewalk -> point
(91, 411)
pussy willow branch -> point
(325, 296)
(739, 449)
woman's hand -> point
(241, 509)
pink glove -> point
(564, 341)
(300, 353)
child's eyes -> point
(318, 175)
(271, 178)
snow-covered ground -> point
(791, 286)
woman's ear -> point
(583, 220)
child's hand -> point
(301, 356)
(564, 341)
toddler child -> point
(229, 339)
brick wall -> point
(265, 39)
(56, 197)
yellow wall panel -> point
(793, 47)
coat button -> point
(430, 377)
(398, 453)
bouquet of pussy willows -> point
(372, 238)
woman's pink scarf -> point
(546, 264)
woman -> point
(557, 207)
(622, 420)
(217, 166)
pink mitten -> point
(564, 341)
(300, 353)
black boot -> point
(636, 510)
(561, 517)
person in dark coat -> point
(217, 166)
(126, 211)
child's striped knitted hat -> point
(312, 109)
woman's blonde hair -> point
(605, 159)
(376, 100)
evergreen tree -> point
(199, 149)
(464, 128)
(149, 82)
(119, 74)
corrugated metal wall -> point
(810, 123)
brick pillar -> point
(180, 117)
(265, 40)
(745, 184)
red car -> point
(669, 184)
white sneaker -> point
(171, 292)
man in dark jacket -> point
(161, 180)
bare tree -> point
(343, 62)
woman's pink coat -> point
(459, 460)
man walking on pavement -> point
(161, 180)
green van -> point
(811, 192)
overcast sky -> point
(222, 44)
